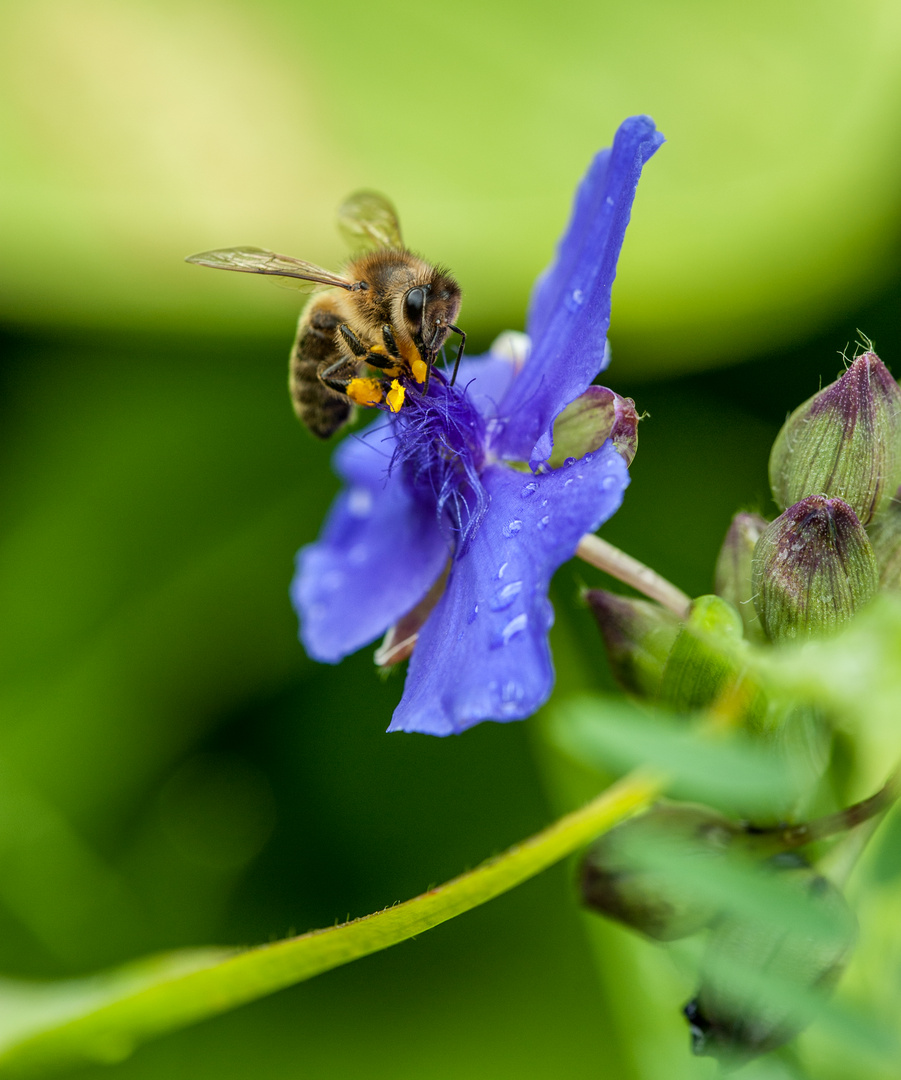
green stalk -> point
(105, 1017)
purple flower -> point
(439, 495)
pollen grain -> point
(395, 396)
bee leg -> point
(337, 375)
(372, 355)
(343, 379)
(353, 342)
(377, 359)
(460, 348)
(390, 344)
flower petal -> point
(570, 309)
(483, 653)
(377, 556)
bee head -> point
(429, 310)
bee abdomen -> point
(315, 348)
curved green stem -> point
(103, 1018)
(795, 836)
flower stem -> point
(104, 1017)
(793, 836)
(624, 568)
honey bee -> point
(388, 310)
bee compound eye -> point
(414, 302)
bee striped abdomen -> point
(315, 348)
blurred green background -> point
(173, 770)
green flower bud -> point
(761, 978)
(885, 539)
(705, 659)
(813, 568)
(648, 872)
(589, 421)
(638, 636)
(843, 442)
(733, 570)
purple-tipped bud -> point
(813, 568)
(649, 872)
(844, 442)
(733, 570)
(589, 421)
(638, 635)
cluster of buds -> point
(835, 474)
(763, 967)
(835, 469)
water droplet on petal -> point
(515, 626)
(472, 615)
(587, 457)
(575, 299)
(528, 491)
(608, 483)
(502, 570)
(566, 483)
(504, 597)
(512, 691)
(568, 462)
(609, 200)
(510, 697)
(359, 502)
(512, 528)
(543, 522)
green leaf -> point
(731, 772)
(104, 1017)
(855, 678)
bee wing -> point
(368, 221)
(252, 260)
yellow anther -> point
(364, 391)
(395, 396)
(420, 369)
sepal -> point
(704, 659)
(588, 422)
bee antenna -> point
(457, 330)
